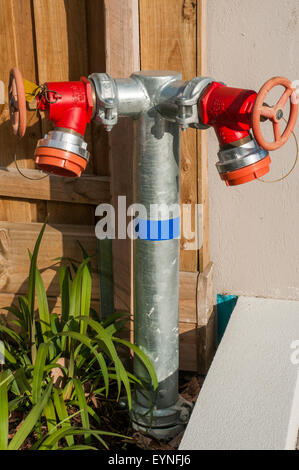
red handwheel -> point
(274, 113)
(17, 102)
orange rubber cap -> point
(248, 173)
(59, 162)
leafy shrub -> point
(55, 364)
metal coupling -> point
(188, 114)
(67, 141)
(105, 100)
(240, 155)
(162, 423)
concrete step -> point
(250, 398)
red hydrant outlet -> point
(69, 105)
(229, 111)
(233, 112)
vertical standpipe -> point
(151, 98)
(156, 263)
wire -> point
(17, 166)
(293, 166)
(21, 173)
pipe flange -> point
(188, 110)
(235, 158)
(163, 422)
(105, 100)
(66, 141)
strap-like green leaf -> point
(99, 356)
(143, 357)
(79, 447)
(32, 273)
(12, 334)
(31, 420)
(108, 343)
(43, 307)
(86, 296)
(38, 371)
(82, 405)
(60, 433)
(65, 287)
(62, 414)
(3, 410)
(50, 415)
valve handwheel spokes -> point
(274, 113)
(17, 102)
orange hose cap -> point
(59, 162)
(248, 173)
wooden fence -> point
(52, 40)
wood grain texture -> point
(61, 45)
(54, 306)
(17, 49)
(58, 240)
(90, 190)
(122, 58)
(188, 345)
(202, 138)
(61, 49)
(95, 17)
(61, 39)
(168, 42)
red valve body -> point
(69, 106)
(229, 111)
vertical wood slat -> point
(95, 17)
(168, 42)
(17, 49)
(122, 58)
(202, 137)
(61, 38)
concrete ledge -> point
(250, 398)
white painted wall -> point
(255, 227)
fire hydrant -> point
(162, 103)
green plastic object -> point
(225, 307)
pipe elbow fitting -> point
(69, 105)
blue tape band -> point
(156, 230)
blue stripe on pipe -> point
(156, 230)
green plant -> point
(56, 364)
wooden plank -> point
(188, 297)
(202, 137)
(122, 58)
(61, 39)
(16, 38)
(54, 303)
(168, 42)
(188, 359)
(205, 295)
(95, 16)
(17, 50)
(15, 210)
(91, 190)
(58, 240)
(198, 345)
